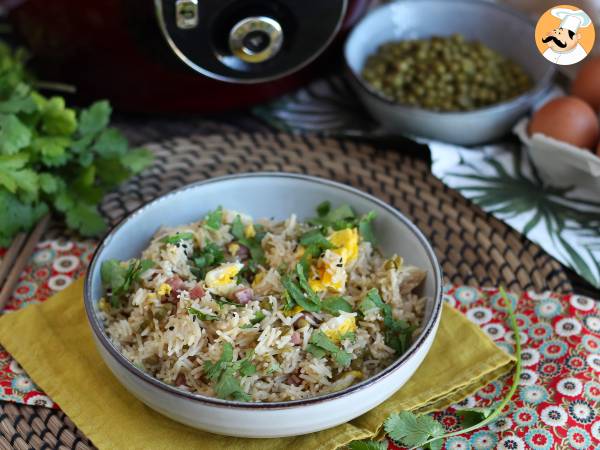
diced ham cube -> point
(243, 295)
(296, 338)
(180, 380)
(197, 292)
(175, 282)
(294, 379)
(243, 252)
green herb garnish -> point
(365, 228)
(414, 431)
(334, 305)
(224, 373)
(53, 157)
(315, 237)
(200, 315)
(119, 277)
(209, 256)
(300, 292)
(368, 445)
(213, 219)
(256, 319)
(343, 217)
(320, 345)
(397, 333)
(177, 238)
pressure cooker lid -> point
(249, 41)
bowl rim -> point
(527, 97)
(98, 328)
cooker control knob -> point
(255, 39)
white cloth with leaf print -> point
(563, 221)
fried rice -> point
(263, 310)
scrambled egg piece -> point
(347, 241)
(249, 231)
(336, 327)
(233, 248)
(258, 278)
(292, 312)
(330, 270)
(221, 280)
(164, 289)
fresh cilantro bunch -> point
(53, 157)
(424, 431)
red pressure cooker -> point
(182, 55)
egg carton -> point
(558, 163)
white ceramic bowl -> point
(497, 26)
(264, 195)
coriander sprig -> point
(53, 157)
(419, 431)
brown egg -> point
(586, 85)
(568, 119)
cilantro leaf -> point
(301, 293)
(310, 295)
(94, 118)
(53, 150)
(365, 228)
(223, 371)
(14, 177)
(339, 218)
(320, 345)
(17, 215)
(315, 237)
(372, 300)
(397, 333)
(200, 315)
(247, 368)
(137, 159)
(214, 370)
(57, 119)
(119, 277)
(412, 430)
(368, 445)
(334, 305)
(213, 219)
(14, 135)
(85, 218)
(323, 208)
(177, 238)
(228, 387)
(209, 256)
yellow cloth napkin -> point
(53, 343)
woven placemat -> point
(473, 247)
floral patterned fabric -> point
(557, 404)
